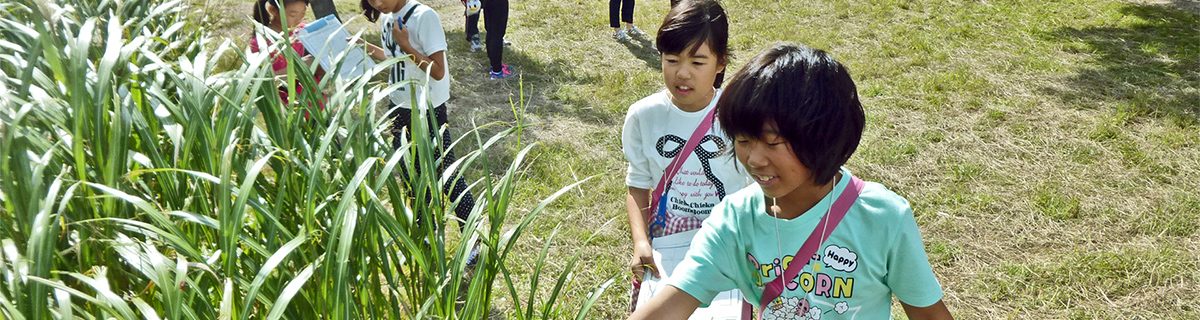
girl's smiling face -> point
(689, 76)
(770, 161)
(772, 164)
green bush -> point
(137, 182)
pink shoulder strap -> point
(803, 256)
(679, 159)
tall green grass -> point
(137, 182)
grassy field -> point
(1050, 148)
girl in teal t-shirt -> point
(795, 118)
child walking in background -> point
(495, 19)
(675, 175)
(267, 13)
(622, 11)
(808, 240)
(471, 11)
(412, 29)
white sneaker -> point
(620, 35)
(634, 31)
(476, 45)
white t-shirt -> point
(425, 33)
(655, 130)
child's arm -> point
(373, 50)
(670, 303)
(435, 63)
(637, 202)
(937, 311)
(910, 276)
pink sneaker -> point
(505, 73)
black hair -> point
(691, 23)
(260, 9)
(369, 11)
(807, 95)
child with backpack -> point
(412, 29)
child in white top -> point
(412, 29)
(693, 42)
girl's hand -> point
(372, 50)
(400, 35)
(643, 258)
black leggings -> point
(496, 22)
(473, 26)
(400, 122)
(625, 7)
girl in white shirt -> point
(693, 43)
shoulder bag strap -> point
(836, 213)
(676, 164)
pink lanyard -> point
(815, 239)
(663, 184)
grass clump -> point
(139, 182)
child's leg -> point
(496, 23)
(400, 120)
(458, 187)
(614, 8)
(627, 12)
(472, 26)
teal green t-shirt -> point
(876, 251)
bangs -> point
(806, 96)
(691, 23)
(751, 102)
(683, 36)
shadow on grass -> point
(644, 50)
(1148, 61)
(1192, 6)
(541, 80)
(477, 100)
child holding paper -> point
(268, 14)
(411, 29)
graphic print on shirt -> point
(397, 75)
(688, 186)
(813, 294)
